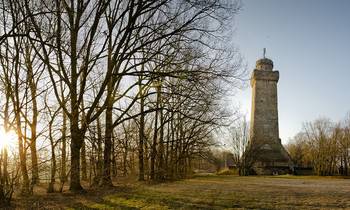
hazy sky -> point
(309, 43)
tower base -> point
(272, 159)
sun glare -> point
(7, 139)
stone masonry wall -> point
(264, 121)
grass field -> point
(207, 192)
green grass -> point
(232, 192)
(214, 192)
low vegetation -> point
(228, 172)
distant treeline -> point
(323, 145)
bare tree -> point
(239, 136)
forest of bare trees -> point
(95, 89)
(323, 145)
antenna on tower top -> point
(264, 52)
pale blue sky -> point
(309, 42)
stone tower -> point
(269, 155)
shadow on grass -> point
(149, 199)
(205, 192)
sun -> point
(7, 139)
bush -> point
(228, 172)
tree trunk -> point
(161, 169)
(98, 176)
(141, 134)
(114, 158)
(154, 144)
(32, 86)
(125, 156)
(6, 128)
(51, 187)
(106, 177)
(168, 136)
(34, 158)
(77, 134)
(172, 148)
(346, 165)
(77, 140)
(23, 165)
(21, 142)
(63, 174)
(83, 163)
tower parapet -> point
(264, 64)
